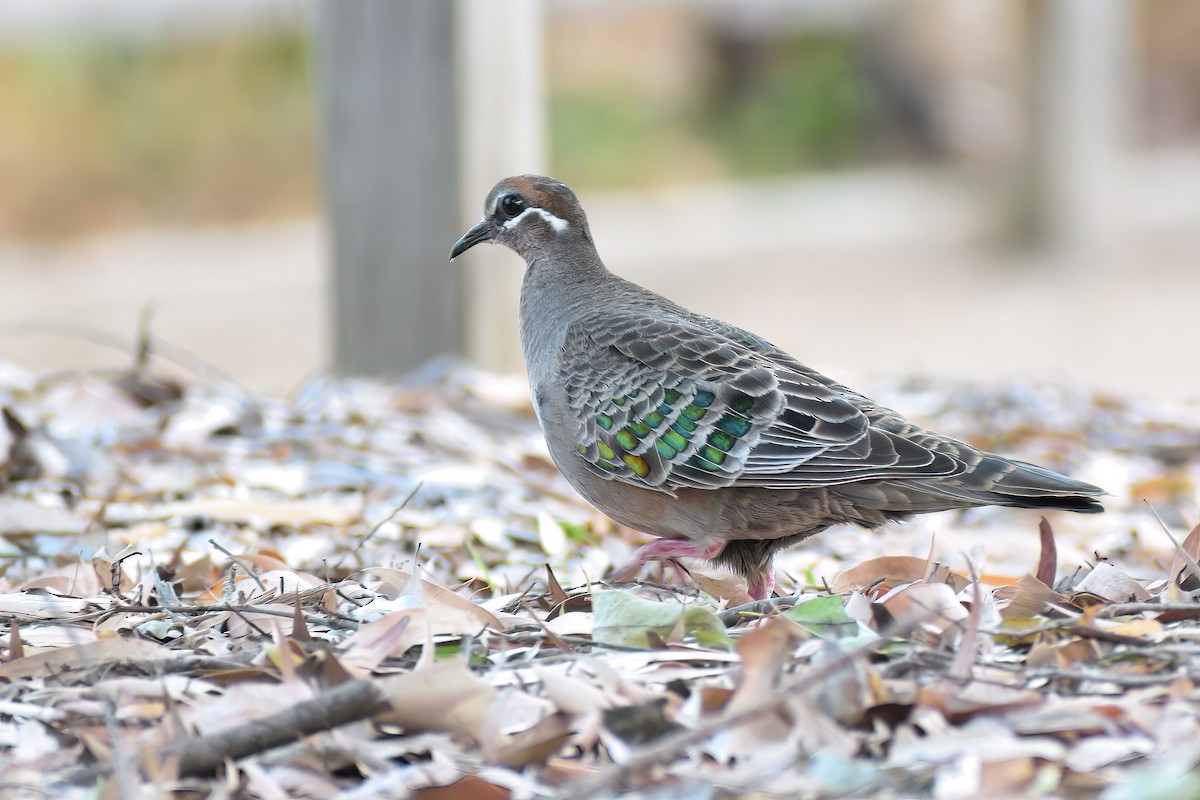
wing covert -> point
(683, 406)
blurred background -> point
(991, 190)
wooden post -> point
(386, 81)
(502, 119)
(1081, 74)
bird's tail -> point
(995, 480)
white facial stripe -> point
(558, 223)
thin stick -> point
(261, 586)
(381, 523)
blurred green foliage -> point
(99, 134)
(109, 133)
(804, 106)
(796, 104)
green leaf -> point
(701, 622)
(825, 617)
(622, 618)
(576, 533)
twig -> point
(1121, 609)
(1108, 677)
(202, 755)
(755, 608)
(380, 524)
(347, 703)
(262, 587)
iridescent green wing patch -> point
(681, 435)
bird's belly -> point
(646, 510)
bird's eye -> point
(511, 205)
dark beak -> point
(482, 231)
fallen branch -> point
(350, 702)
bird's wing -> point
(662, 402)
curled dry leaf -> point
(930, 607)
(1112, 584)
(99, 655)
(1183, 563)
(446, 696)
(890, 571)
(622, 618)
(1030, 598)
(438, 597)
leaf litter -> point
(370, 590)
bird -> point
(707, 436)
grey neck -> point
(558, 290)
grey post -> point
(1081, 78)
(386, 80)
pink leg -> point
(664, 550)
(763, 587)
(661, 549)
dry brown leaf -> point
(1182, 563)
(1064, 654)
(468, 788)
(405, 629)
(764, 651)
(1149, 629)
(723, 587)
(958, 701)
(434, 596)
(446, 696)
(1047, 566)
(520, 729)
(931, 607)
(1112, 584)
(555, 593)
(102, 653)
(892, 571)
(1031, 598)
(40, 605)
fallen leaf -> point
(890, 571)
(824, 616)
(1112, 584)
(1183, 564)
(445, 696)
(101, 653)
(623, 618)
(1047, 566)
(932, 607)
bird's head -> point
(527, 213)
